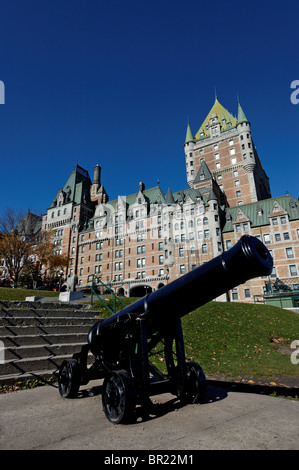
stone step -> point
(16, 313)
(37, 340)
(27, 352)
(45, 320)
(43, 339)
(26, 330)
(17, 368)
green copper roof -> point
(157, 196)
(203, 173)
(241, 114)
(226, 120)
(76, 187)
(258, 212)
(169, 199)
(189, 136)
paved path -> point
(41, 419)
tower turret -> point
(247, 150)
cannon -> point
(123, 344)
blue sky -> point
(114, 83)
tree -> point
(46, 257)
(25, 247)
(16, 241)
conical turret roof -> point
(189, 136)
(241, 114)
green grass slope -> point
(21, 294)
(241, 339)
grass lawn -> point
(237, 339)
(241, 339)
(20, 294)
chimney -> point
(97, 175)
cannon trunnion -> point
(123, 344)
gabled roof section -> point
(260, 213)
(203, 173)
(29, 225)
(157, 196)
(225, 118)
(76, 186)
(240, 216)
(277, 210)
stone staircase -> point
(38, 336)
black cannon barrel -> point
(248, 259)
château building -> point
(141, 242)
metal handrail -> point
(96, 280)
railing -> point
(96, 282)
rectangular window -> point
(289, 253)
(277, 237)
(266, 239)
(235, 294)
(286, 235)
(293, 270)
(228, 244)
(182, 269)
(247, 293)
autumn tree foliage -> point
(25, 247)
(16, 242)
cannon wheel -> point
(119, 397)
(196, 383)
(69, 378)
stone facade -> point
(141, 242)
